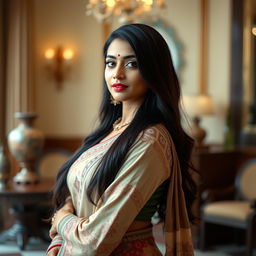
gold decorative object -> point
(117, 126)
(58, 63)
(127, 11)
(25, 143)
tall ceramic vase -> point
(26, 143)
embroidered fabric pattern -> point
(137, 244)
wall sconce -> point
(254, 30)
(58, 63)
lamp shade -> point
(198, 105)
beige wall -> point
(184, 17)
(219, 66)
(72, 110)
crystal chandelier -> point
(127, 10)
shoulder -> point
(158, 137)
(157, 133)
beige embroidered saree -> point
(97, 230)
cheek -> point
(143, 89)
(140, 84)
(107, 76)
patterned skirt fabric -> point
(138, 243)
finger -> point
(52, 235)
(52, 232)
(53, 218)
(68, 199)
(54, 251)
(68, 206)
(69, 202)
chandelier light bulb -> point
(126, 11)
(110, 3)
(148, 2)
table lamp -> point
(197, 106)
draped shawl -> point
(96, 230)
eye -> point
(110, 63)
(132, 64)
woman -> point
(135, 165)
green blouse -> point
(149, 209)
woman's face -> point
(122, 74)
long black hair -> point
(161, 105)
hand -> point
(66, 210)
(54, 251)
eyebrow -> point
(125, 57)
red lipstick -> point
(119, 87)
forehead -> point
(119, 47)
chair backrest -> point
(51, 161)
(245, 181)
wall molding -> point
(68, 143)
(204, 42)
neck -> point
(129, 111)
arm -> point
(57, 240)
(144, 170)
(66, 210)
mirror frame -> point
(238, 88)
(175, 44)
(236, 68)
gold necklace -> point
(117, 127)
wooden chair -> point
(238, 213)
(50, 162)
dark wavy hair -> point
(161, 105)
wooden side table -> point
(24, 200)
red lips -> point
(118, 87)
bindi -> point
(118, 55)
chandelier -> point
(127, 10)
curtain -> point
(2, 72)
(18, 39)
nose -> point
(119, 73)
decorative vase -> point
(5, 167)
(26, 143)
